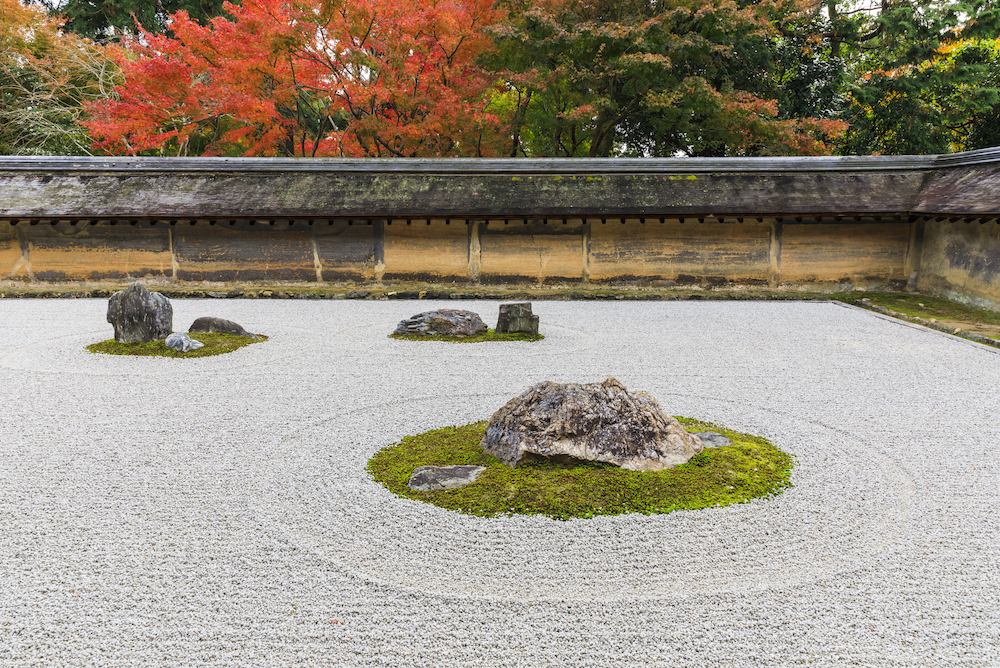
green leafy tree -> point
(639, 77)
(46, 77)
(909, 87)
(109, 19)
(982, 129)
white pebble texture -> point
(217, 512)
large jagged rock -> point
(517, 318)
(212, 325)
(601, 422)
(139, 315)
(447, 321)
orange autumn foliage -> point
(355, 78)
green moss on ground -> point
(924, 306)
(490, 335)
(750, 468)
(215, 344)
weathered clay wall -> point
(873, 221)
(859, 253)
(10, 251)
(713, 251)
(532, 251)
(67, 252)
(431, 250)
(962, 261)
(710, 251)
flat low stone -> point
(713, 439)
(209, 324)
(140, 316)
(599, 422)
(445, 321)
(429, 478)
(182, 342)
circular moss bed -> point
(750, 468)
(215, 344)
(489, 335)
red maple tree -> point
(354, 78)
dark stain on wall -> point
(204, 254)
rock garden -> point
(143, 325)
(581, 450)
(515, 322)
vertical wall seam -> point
(774, 252)
(174, 264)
(317, 262)
(23, 262)
(475, 250)
(378, 249)
(914, 254)
(585, 243)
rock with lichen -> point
(445, 321)
(600, 422)
(140, 316)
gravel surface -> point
(216, 511)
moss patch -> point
(215, 344)
(944, 312)
(750, 468)
(489, 335)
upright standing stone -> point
(517, 318)
(139, 315)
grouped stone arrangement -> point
(514, 318)
(139, 315)
(600, 422)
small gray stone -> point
(209, 324)
(429, 478)
(182, 342)
(713, 439)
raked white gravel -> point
(217, 512)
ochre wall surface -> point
(433, 250)
(66, 252)
(962, 260)
(205, 253)
(10, 251)
(820, 253)
(708, 251)
(715, 251)
(532, 251)
(344, 250)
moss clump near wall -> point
(489, 335)
(750, 468)
(215, 344)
